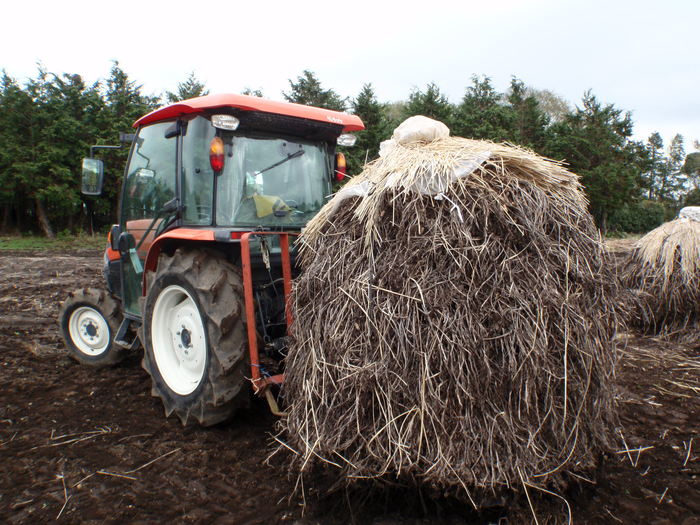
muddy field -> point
(93, 446)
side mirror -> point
(125, 243)
(113, 237)
(92, 178)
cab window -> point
(197, 174)
(150, 177)
(269, 182)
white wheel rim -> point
(179, 343)
(89, 331)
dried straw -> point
(462, 338)
(663, 271)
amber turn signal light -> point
(340, 167)
(216, 154)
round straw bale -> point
(453, 323)
(663, 271)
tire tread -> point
(110, 308)
(217, 283)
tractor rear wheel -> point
(88, 321)
(194, 338)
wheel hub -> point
(178, 338)
(185, 337)
(89, 331)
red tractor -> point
(199, 268)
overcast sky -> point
(643, 56)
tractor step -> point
(121, 337)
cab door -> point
(150, 182)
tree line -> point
(49, 123)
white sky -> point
(643, 56)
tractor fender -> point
(179, 234)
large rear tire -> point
(88, 321)
(194, 338)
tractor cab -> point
(214, 191)
(224, 164)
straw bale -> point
(663, 271)
(454, 323)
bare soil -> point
(92, 446)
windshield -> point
(271, 182)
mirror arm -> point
(97, 146)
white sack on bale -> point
(420, 129)
(415, 129)
(690, 212)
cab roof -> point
(248, 103)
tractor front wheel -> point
(88, 321)
(194, 336)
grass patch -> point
(622, 235)
(61, 242)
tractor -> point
(198, 271)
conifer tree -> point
(373, 115)
(430, 103)
(482, 115)
(596, 142)
(530, 122)
(252, 92)
(190, 88)
(308, 90)
(124, 104)
(656, 164)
